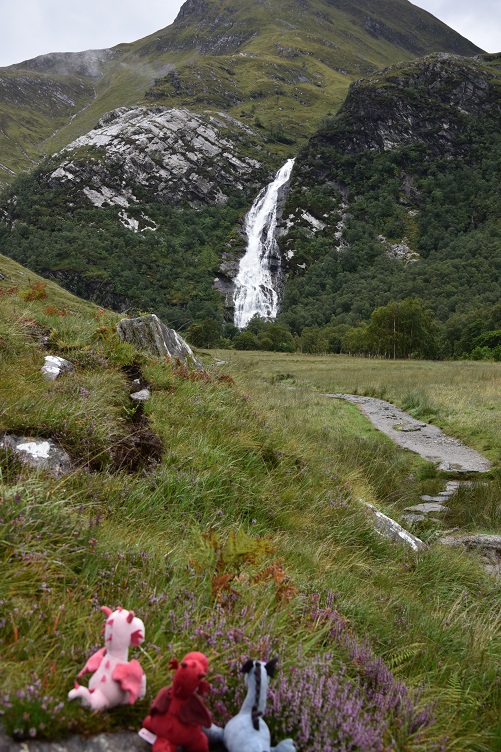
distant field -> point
(462, 397)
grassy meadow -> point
(243, 537)
(460, 397)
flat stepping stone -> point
(427, 508)
(411, 518)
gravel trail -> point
(423, 438)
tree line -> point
(399, 330)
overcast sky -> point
(34, 27)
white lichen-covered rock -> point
(149, 334)
(142, 395)
(112, 742)
(390, 529)
(38, 453)
(54, 366)
(177, 156)
(399, 251)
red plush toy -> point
(178, 712)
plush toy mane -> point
(247, 731)
(256, 713)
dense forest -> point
(88, 250)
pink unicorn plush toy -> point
(115, 680)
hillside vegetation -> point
(401, 188)
(245, 535)
(285, 64)
(404, 181)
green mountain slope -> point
(137, 214)
(287, 64)
(395, 197)
(404, 182)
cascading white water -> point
(255, 291)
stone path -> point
(117, 742)
(450, 454)
(423, 438)
(431, 504)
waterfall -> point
(255, 283)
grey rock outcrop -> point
(488, 547)
(150, 335)
(382, 115)
(175, 155)
(117, 742)
(38, 453)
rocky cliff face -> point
(286, 62)
(434, 104)
(146, 208)
(431, 102)
(160, 154)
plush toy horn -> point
(107, 611)
(247, 666)
(271, 667)
(130, 617)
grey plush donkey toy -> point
(247, 732)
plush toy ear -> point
(107, 611)
(173, 664)
(247, 667)
(271, 667)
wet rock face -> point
(149, 334)
(170, 155)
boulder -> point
(38, 453)
(150, 335)
(142, 396)
(54, 366)
(488, 547)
